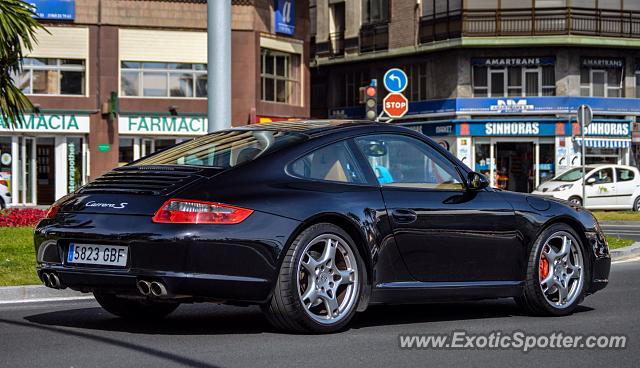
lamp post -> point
(584, 117)
(218, 64)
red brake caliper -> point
(544, 267)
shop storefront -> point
(520, 154)
(141, 135)
(43, 157)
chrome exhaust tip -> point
(46, 279)
(144, 287)
(158, 289)
(55, 281)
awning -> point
(605, 142)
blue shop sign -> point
(285, 14)
(54, 9)
(509, 105)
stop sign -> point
(395, 105)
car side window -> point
(334, 162)
(624, 175)
(401, 161)
(603, 176)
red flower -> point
(16, 217)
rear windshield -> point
(573, 174)
(223, 149)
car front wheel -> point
(134, 309)
(556, 274)
(636, 204)
(319, 284)
(576, 200)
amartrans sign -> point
(54, 9)
(49, 123)
(162, 125)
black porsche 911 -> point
(314, 221)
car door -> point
(627, 182)
(444, 232)
(601, 191)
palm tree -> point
(17, 33)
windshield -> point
(573, 174)
(223, 149)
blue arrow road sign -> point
(395, 80)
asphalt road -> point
(80, 334)
(629, 230)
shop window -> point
(417, 88)
(157, 79)
(513, 81)
(483, 159)
(546, 166)
(601, 82)
(125, 151)
(279, 74)
(6, 159)
(637, 83)
(75, 176)
(376, 11)
(41, 76)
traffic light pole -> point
(218, 64)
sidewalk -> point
(28, 293)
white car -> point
(611, 187)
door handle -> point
(404, 215)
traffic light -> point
(371, 102)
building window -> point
(417, 88)
(41, 76)
(279, 76)
(638, 83)
(157, 79)
(601, 77)
(347, 89)
(376, 11)
(513, 81)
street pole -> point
(219, 64)
(584, 162)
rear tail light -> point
(52, 211)
(187, 211)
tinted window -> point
(331, 163)
(624, 174)
(407, 162)
(223, 149)
(603, 176)
(573, 174)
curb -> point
(35, 293)
(626, 252)
(618, 223)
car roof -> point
(312, 127)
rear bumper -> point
(235, 263)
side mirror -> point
(476, 181)
(591, 181)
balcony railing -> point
(530, 22)
(374, 37)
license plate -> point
(106, 255)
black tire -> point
(2, 204)
(285, 311)
(576, 200)
(636, 204)
(134, 309)
(533, 300)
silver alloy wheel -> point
(561, 270)
(576, 201)
(637, 204)
(328, 279)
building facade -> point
(497, 82)
(112, 81)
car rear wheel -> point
(134, 309)
(636, 204)
(319, 283)
(556, 273)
